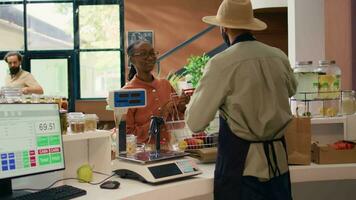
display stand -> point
(93, 148)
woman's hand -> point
(167, 109)
(182, 102)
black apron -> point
(230, 164)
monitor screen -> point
(30, 139)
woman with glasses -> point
(142, 59)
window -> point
(99, 27)
(3, 72)
(99, 32)
(11, 27)
(50, 26)
(52, 75)
(99, 73)
(74, 48)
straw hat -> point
(236, 14)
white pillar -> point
(306, 30)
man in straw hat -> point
(249, 83)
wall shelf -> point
(328, 120)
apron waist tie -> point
(267, 145)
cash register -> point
(30, 144)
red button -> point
(33, 164)
(32, 153)
(33, 159)
(55, 150)
(43, 151)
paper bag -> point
(298, 141)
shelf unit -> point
(328, 130)
(93, 148)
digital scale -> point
(148, 166)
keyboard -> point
(63, 192)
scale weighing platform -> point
(156, 166)
(148, 166)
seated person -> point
(159, 94)
(18, 77)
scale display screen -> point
(129, 98)
(162, 171)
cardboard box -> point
(328, 155)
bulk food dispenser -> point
(319, 96)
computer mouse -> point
(110, 185)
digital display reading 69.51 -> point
(46, 127)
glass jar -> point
(307, 77)
(347, 102)
(131, 144)
(76, 122)
(329, 79)
(64, 103)
(91, 122)
(64, 122)
(35, 98)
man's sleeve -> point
(208, 96)
(31, 81)
(291, 82)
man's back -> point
(259, 82)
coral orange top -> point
(138, 120)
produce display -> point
(198, 141)
(342, 145)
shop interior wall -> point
(173, 22)
(339, 37)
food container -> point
(64, 122)
(76, 122)
(131, 145)
(91, 122)
(347, 102)
(307, 78)
(329, 79)
(64, 103)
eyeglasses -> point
(146, 54)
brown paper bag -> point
(298, 141)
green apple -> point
(85, 173)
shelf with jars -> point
(320, 104)
(318, 92)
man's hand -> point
(182, 102)
(25, 90)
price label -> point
(46, 127)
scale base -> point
(158, 172)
